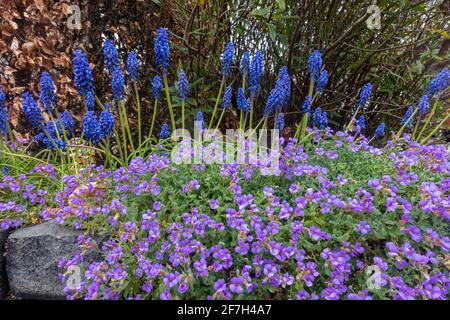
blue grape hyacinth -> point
(439, 83)
(380, 130)
(68, 122)
(162, 51)
(31, 110)
(199, 120)
(245, 64)
(156, 87)
(406, 119)
(133, 66)
(315, 65)
(320, 119)
(111, 55)
(279, 96)
(47, 94)
(90, 101)
(106, 122)
(242, 102)
(83, 73)
(91, 128)
(361, 122)
(164, 134)
(307, 105)
(226, 101)
(118, 84)
(322, 81)
(424, 104)
(4, 115)
(280, 122)
(256, 72)
(364, 95)
(183, 86)
(227, 59)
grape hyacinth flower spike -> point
(439, 83)
(106, 122)
(255, 74)
(322, 81)
(183, 91)
(4, 115)
(31, 110)
(118, 84)
(47, 94)
(83, 77)
(162, 51)
(406, 119)
(279, 125)
(68, 122)
(199, 121)
(364, 95)
(315, 65)
(226, 103)
(380, 130)
(245, 65)
(227, 60)
(361, 122)
(133, 66)
(164, 134)
(110, 55)
(91, 128)
(423, 105)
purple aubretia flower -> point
(236, 285)
(110, 55)
(133, 66)
(31, 110)
(364, 227)
(227, 59)
(91, 128)
(162, 51)
(47, 93)
(226, 101)
(156, 87)
(83, 73)
(183, 86)
(364, 95)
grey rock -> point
(4, 287)
(33, 256)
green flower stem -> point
(397, 136)
(127, 125)
(416, 127)
(436, 129)
(138, 104)
(182, 117)
(241, 120)
(155, 107)
(222, 84)
(427, 122)
(169, 102)
(124, 137)
(99, 103)
(220, 118)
